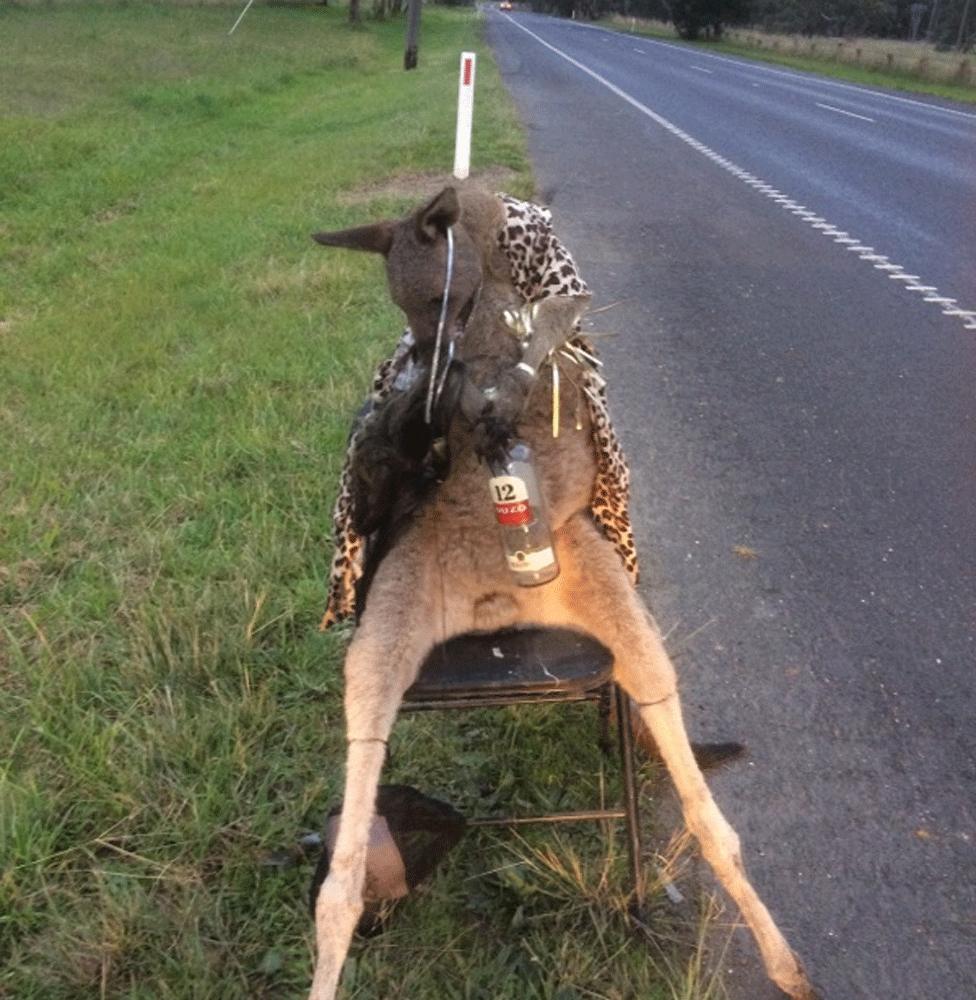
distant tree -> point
(949, 23)
(839, 18)
(953, 27)
(694, 18)
(580, 9)
(689, 16)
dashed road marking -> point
(759, 67)
(701, 69)
(866, 253)
(841, 111)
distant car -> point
(505, 5)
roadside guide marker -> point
(465, 114)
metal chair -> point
(535, 666)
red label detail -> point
(517, 512)
(466, 79)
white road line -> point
(841, 111)
(701, 69)
(798, 77)
(866, 253)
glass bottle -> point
(521, 516)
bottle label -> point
(531, 562)
(511, 499)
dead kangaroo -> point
(434, 566)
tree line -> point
(946, 23)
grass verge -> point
(795, 53)
(177, 368)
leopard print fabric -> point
(540, 266)
(610, 504)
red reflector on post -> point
(467, 68)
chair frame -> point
(629, 810)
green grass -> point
(178, 364)
(904, 79)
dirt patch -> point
(116, 211)
(417, 186)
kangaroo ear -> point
(375, 238)
(437, 215)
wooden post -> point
(413, 32)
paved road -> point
(793, 372)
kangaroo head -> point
(416, 252)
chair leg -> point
(606, 693)
(625, 735)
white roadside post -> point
(465, 113)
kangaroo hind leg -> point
(386, 652)
(597, 597)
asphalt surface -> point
(792, 372)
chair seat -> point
(519, 666)
(516, 664)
